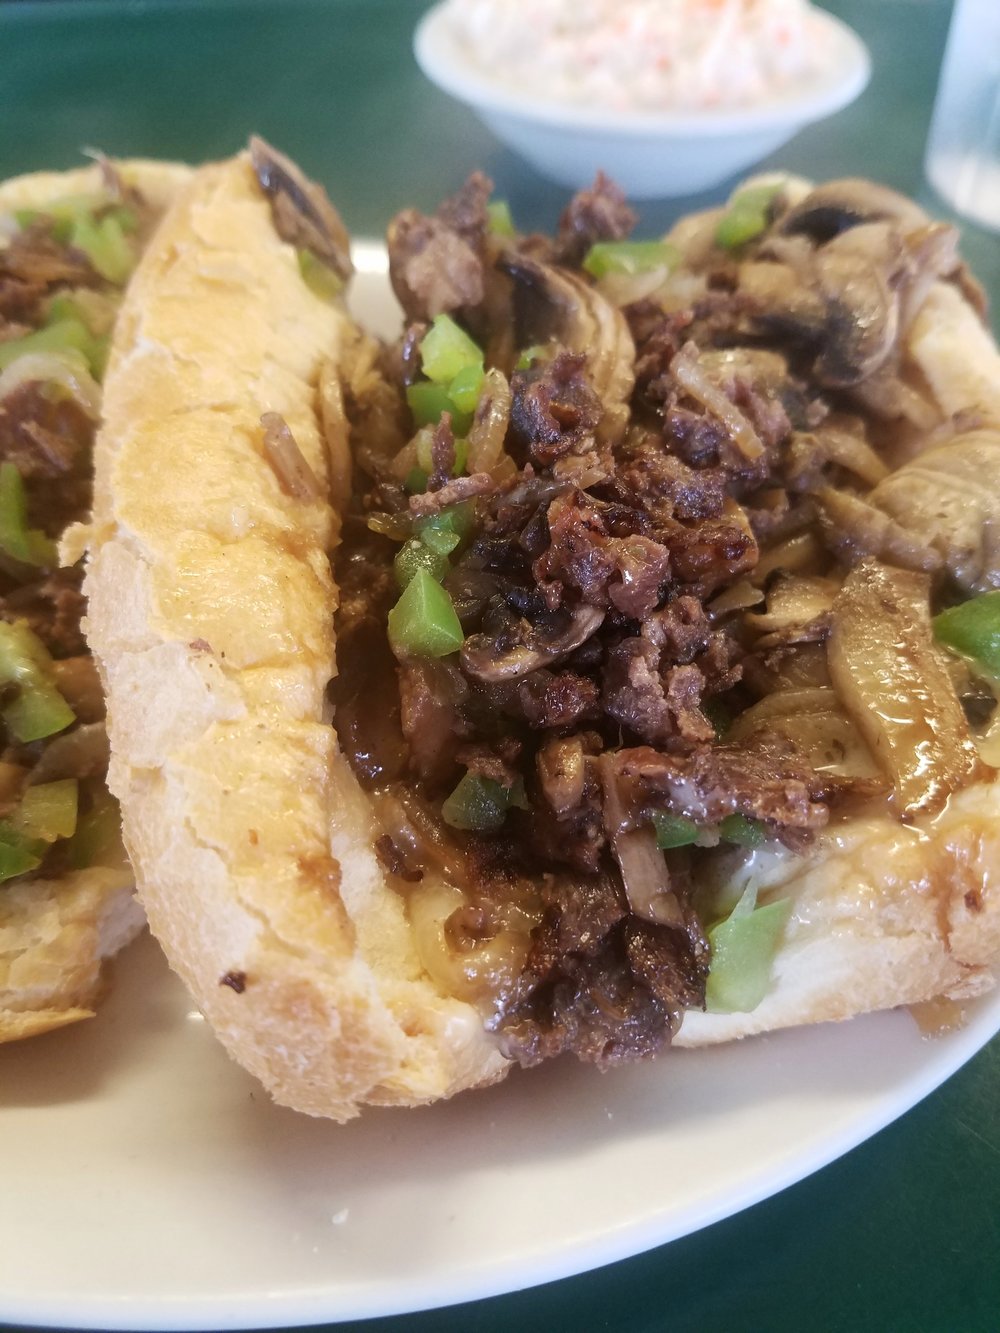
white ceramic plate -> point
(148, 1183)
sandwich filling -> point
(653, 559)
(62, 271)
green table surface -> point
(904, 1232)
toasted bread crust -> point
(211, 615)
(55, 934)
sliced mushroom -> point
(782, 299)
(495, 658)
(853, 527)
(552, 303)
(947, 499)
(81, 753)
(837, 205)
(833, 442)
(303, 215)
(862, 314)
(892, 680)
(798, 607)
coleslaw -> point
(642, 55)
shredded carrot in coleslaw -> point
(649, 55)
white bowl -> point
(649, 154)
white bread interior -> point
(55, 934)
(211, 616)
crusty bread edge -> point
(211, 605)
(56, 934)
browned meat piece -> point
(432, 269)
(558, 699)
(442, 454)
(721, 664)
(583, 988)
(496, 762)
(53, 607)
(465, 211)
(713, 553)
(642, 569)
(668, 487)
(553, 408)
(771, 782)
(32, 265)
(629, 573)
(45, 437)
(598, 214)
(432, 695)
(697, 439)
(663, 707)
(453, 492)
(437, 264)
(672, 963)
(681, 629)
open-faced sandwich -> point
(607, 662)
(68, 244)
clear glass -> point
(963, 149)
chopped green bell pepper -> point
(465, 388)
(18, 854)
(427, 402)
(60, 336)
(742, 831)
(319, 277)
(38, 710)
(673, 830)
(414, 556)
(530, 355)
(973, 629)
(443, 531)
(104, 243)
(747, 216)
(477, 804)
(30, 546)
(98, 834)
(743, 950)
(629, 257)
(447, 349)
(415, 481)
(48, 811)
(500, 221)
(424, 623)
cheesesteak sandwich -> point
(68, 243)
(608, 662)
